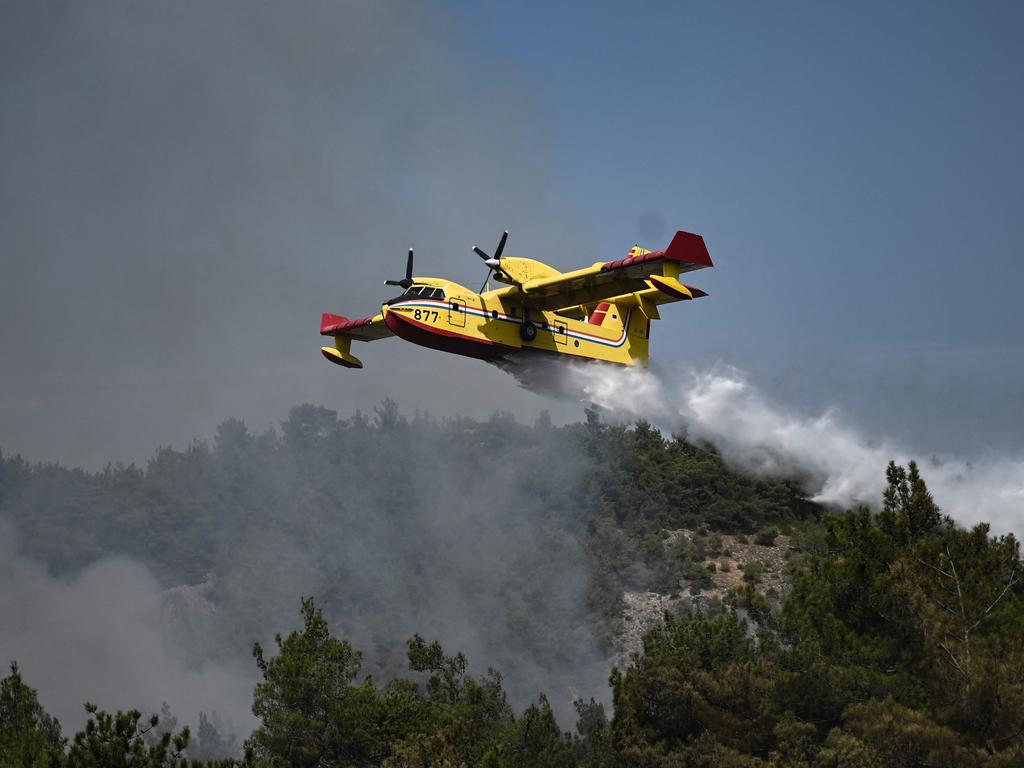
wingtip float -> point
(602, 312)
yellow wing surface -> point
(642, 277)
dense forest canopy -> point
(894, 642)
(511, 542)
(179, 512)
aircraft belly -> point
(427, 335)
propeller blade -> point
(408, 267)
(501, 245)
(493, 262)
(486, 280)
(394, 282)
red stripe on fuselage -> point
(443, 339)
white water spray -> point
(837, 464)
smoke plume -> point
(464, 532)
(837, 463)
(194, 183)
(105, 636)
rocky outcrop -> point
(735, 557)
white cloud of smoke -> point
(836, 462)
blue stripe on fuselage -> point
(431, 304)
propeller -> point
(493, 262)
(406, 281)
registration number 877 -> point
(429, 315)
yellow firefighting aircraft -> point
(602, 312)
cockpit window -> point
(423, 291)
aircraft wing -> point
(646, 271)
(364, 328)
(344, 330)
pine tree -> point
(28, 735)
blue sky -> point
(857, 169)
(192, 184)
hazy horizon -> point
(187, 187)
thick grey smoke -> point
(837, 462)
(184, 188)
(415, 528)
(463, 532)
(187, 186)
(105, 636)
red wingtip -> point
(686, 249)
(689, 248)
(330, 323)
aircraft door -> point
(456, 311)
(559, 331)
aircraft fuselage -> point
(484, 327)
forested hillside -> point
(178, 513)
(894, 639)
(537, 528)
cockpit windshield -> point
(422, 291)
(425, 292)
